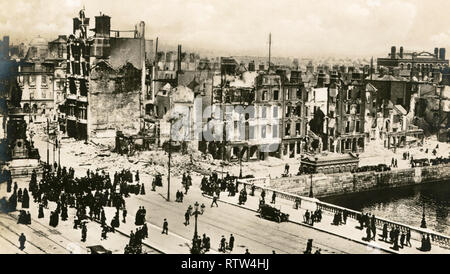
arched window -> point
(26, 107)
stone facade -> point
(343, 183)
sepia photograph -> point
(224, 127)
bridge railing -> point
(313, 203)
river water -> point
(404, 205)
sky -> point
(300, 28)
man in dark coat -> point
(124, 215)
(145, 231)
(222, 244)
(19, 195)
(231, 242)
(8, 185)
(41, 211)
(186, 218)
(165, 227)
(308, 247)
(22, 240)
(368, 234)
(142, 189)
(137, 176)
(83, 233)
(13, 202)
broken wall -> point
(115, 100)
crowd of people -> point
(310, 217)
(88, 195)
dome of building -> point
(38, 41)
(38, 48)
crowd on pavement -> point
(88, 196)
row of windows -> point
(292, 111)
(249, 133)
(288, 95)
(288, 127)
(357, 127)
(80, 113)
(73, 87)
(44, 94)
(76, 68)
(31, 80)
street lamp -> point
(170, 156)
(48, 141)
(311, 187)
(240, 166)
(195, 248)
(423, 223)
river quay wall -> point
(324, 185)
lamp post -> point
(423, 224)
(240, 166)
(48, 141)
(58, 146)
(195, 248)
(170, 156)
(311, 188)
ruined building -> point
(294, 118)
(106, 79)
(345, 115)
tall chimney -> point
(401, 52)
(321, 79)
(436, 53)
(179, 58)
(6, 47)
(333, 77)
(442, 53)
(393, 52)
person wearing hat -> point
(231, 243)
(222, 244)
(165, 227)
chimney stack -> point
(179, 58)
(436, 53)
(401, 52)
(393, 52)
(333, 77)
(321, 79)
(442, 53)
(6, 47)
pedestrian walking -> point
(22, 240)
(83, 233)
(408, 238)
(124, 216)
(385, 233)
(308, 246)
(165, 227)
(214, 202)
(402, 239)
(231, 242)
(186, 218)
(223, 243)
(274, 195)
